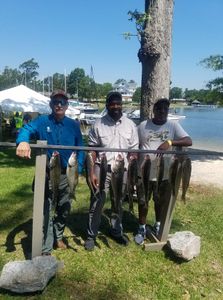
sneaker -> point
(89, 244)
(156, 228)
(122, 240)
(140, 237)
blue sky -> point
(64, 35)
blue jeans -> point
(55, 218)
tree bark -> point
(155, 54)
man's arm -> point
(134, 143)
(80, 153)
(23, 149)
(182, 142)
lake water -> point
(205, 126)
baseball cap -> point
(58, 93)
(162, 100)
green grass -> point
(113, 271)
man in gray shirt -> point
(111, 131)
(157, 134)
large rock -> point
(29, 275)
(185, 244)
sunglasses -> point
(62, 102)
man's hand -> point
(163, 147)
(94, 181)
(132, 156)
(23, 150)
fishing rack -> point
(157, 242)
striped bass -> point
(89, 165)
(103, 171)
(117, 174)
(145, 171)
(132, 179)
(160, 171)
(186, 174)
(72, 173)
(55, 171)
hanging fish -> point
(55, 172)
(103, 171)
(186, 174)
(160, 171)
(145, 170)
(117, 175)
(72, 173)
(132, 179)
(89, 164)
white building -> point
(127, 89)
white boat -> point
(133, 115)
(73, 113)
(86, 108)
(175, 117)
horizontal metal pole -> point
(189, 151)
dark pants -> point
(160, 196)
(55, 218)
(96, 205)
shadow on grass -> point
(85, 288)
(23, 198)
(78, 221)
(13, 294)
(26, 242)
(169, 254)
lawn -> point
(113, 271)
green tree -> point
(216, 84)
(58, 81)
(10, 78)
(121, 81)
(137, 95)
(176, 93)
(214, 62)
(29, 71)
(103, 89)
(74, 81)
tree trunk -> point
(155, 54)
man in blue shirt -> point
(56, 129)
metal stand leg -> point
(157, 243)
(39, 190)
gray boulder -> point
(29, 275)
(184, 244)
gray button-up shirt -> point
(108, 133)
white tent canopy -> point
(24, 99)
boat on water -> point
(81, 110)
(133, 115)
(86, 108)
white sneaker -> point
(140, 236)
(156, 228)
